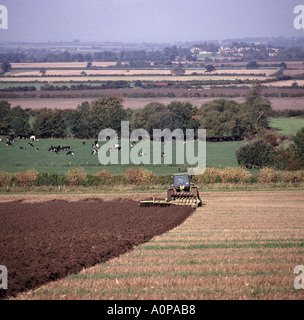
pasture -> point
(287, 126)
(13, 159)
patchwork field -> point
(239, 245)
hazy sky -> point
(147, 20)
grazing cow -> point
(22, 148)
(10, 139)
(133, 143)
(8, 144)
(54, 149)
(30, 144)
(115, 147)
(36, 149)
(83, 143)
(70, 153)
(142, 153)
(95, 144)
(95, 151)
(33, 138)
(163, 154)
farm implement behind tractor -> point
(181, 192)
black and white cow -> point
(95, 151)
(95, 144)
(115, 147)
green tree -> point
(297, 147)
(20, 122)
(5, 117)
(256, 154)
(258, 109)
(182, 116)
(50, 124)
(252, 65)
(223, 118)
(42, 71)
(154, 115)
(77, 121)
(177, 71)
(42, 125)
(210, 68)
(6, 66)
(106, 112)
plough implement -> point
(181, 192)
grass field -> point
(287, 126)
(13, 159)
(218, 154)
(239, 245)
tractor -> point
(181, 192)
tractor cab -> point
(181, 182)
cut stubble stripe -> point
(173, 274)
(224, 246)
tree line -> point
(223, 119)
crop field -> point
(135, 72)
(60, 65)
(239, 245)
(137, 103)
(13, 159)
(154, 78)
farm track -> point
(240, 245)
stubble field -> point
(239, 245)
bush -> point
(287, 160)
(234, 175)
(211, 175)
(76, 176)
(92, 180)
(299, 176)
(50, 179)
(272, 138)
(104, 175)
(138, 176)
(287, 176)
(268, 175)
(5, 179)
(27, 178)
(165, 179)
(256, 154)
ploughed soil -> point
(46, 241)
